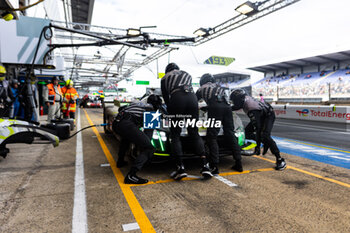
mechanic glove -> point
(164, 109)
(9, 100)
(204, 109)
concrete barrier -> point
(313, 113)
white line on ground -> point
(196, 177)
(130, 226)
(225, 181)
(105, 165)
(79, 221)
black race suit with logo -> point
(180, 102)
(127, 124)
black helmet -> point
(238, 98)
(14, 81)
(155, 101)
(206, 78)
(171, 67)
(239, 92)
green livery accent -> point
(240, 138)
(251, 146)
(139, 82)
(161, 154)
(222, 61)
(160, 141)
(11, 132)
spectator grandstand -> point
(234, 80)
(314, 79)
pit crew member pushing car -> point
(127, 124)
(262, 118)
(218, 109)
(180, 99)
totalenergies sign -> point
(316, 113)
(303, 112)
(324, 114)
(330, 114)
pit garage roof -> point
(236, 76)
(302, 62)
(82, 10)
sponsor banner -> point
(218, 60)
(314, 113)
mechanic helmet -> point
(238, 98)
(14, 82)
(171, 67)
(7, 16)
(69, 83)
(2, 72)
(206, 78)
(155, 101)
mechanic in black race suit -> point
(127, 124)
(180, 99)
(218, 109)
(262, 118)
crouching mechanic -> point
(218, 109)
(127, 124)
(262, 118)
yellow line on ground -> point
(192, 178)
(324, 147)
(139, 214)
(308, 173)
(164, 181)
(247, 171)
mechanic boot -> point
(179, 173)
(214, 170)
(280, 164)
(205, 171)
(238, 166)
(134, 179)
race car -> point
(160, 139)
(17, 131)
(94, 104)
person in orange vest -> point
(52, 96)
(70, 95)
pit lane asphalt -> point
(37, 187)
(322, 133)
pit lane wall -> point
(314, 113)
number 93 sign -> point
(216, 60)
